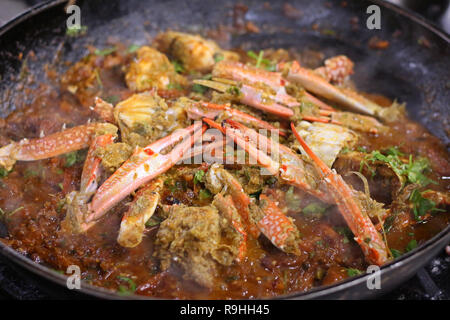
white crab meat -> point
(325, 139)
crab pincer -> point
(360, 224)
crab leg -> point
(253, 76)
(318, 85)
(249, 95)
(53, 145)
(214, 111)
(227, 207)
(289, 166)
(140, 211)
(144, 165)
(362, 227)
(74, 220)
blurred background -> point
(437, 11)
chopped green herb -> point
(71, 159)
(199, 88)
(271, 180)
(235, 91)
(97, 77)
(314, 208)
(105, 52)
(269, 65)
(153, 221)
(413, 171)
(129, 289)
(351, 272)
(218, 57)
(361, 149)
(388, 223)
(204, 194)
(61, 186)
(293, 201)
(396, 253)
(59, 171)
(133, 48)
(411, 245)
(255, 194)
(198, 176)
(345, 150)
(175, 86)
(112, 99)
(422, 205)
(178, 67)
(76, 31)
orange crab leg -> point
(242, 117)
(226, 206)
(91, 168)
(53, 145)
(145, 164)
(362, 227)
(278, 228)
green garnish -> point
(3, 172)
(29, 173)
(198, 176)
(411, 245)
(396, 253)
(178, 67)
(422, 205)
(199, 88)
(153, 221)
(314, 209)
(97, 77)
(129, 289)
(76, 31)
(271, 180)
(175, 86)
(112, 99)
(293, 201)
(351, 272)
(413, 171)
(133, 48)
(255, 194)
(105, 52)
(71, 159)
(61, 186)
(235, 91)
(269, 65)
(204, 194)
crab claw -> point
(210, 110)
(74, 221)
(53, 145)
(283, 163)
(313, 82)
(360, 224)
(144, 165)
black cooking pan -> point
(413, 69)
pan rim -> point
(315, 293)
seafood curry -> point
(179, 169)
